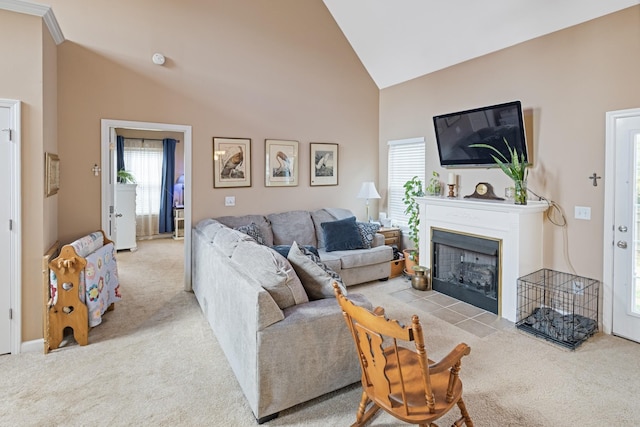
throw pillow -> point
(275, 274)
(316, 277)
(284, 249)
(368, 232)
(252, 230)
(342, 235)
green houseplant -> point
(412, 189)
(515, 168)
(433, 187)
(126, 177)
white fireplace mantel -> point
(518, 227)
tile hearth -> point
(472, 319)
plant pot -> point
(520, 193)
(410, 260)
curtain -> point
(144, 160)
(120, 154)
(168, 174)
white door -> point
(5, 232)
(109, 180)
(626, 227)
(10, 226)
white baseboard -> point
(34, 346)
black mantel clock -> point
(483, 190)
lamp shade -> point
(368, 191)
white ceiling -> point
(398, 40)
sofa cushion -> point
(227, 240)
(209, 227)
(317, 278)
(342, 235)
(358, 257)
(262, 223)
(274, 273)
(368, 232)
(291, 226)
(252, 230)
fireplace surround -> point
(518, 228)
(466, 267)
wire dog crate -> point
(560, 307)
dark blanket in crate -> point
(569, 328)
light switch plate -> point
(582, 212)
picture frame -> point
(231, 162)
(281, 163)
(52, 174)
(323, 164)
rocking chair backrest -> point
(383, 373)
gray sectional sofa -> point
(304, 227)
(283, 347)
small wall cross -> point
(595, 179)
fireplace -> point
(517, 229)
(467, 268)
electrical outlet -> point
(230, 201)
(582, 212)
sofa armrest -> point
(378, 240)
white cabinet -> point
(125, 216)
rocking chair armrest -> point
(378, 311)
(450, 359)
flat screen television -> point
(487, 125)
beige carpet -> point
(155, 361)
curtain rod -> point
(150, 139)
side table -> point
(392, 236)
(178, 222)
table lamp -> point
(368, 191)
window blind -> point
(406, 160)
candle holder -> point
(451, 190)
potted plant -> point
(433, 187)
(515, 168)
(412, 189)
(126, 177)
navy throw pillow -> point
(284, 249)
(342, 235)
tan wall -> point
(279, 69)
(568, 80)
(21, 78)
(50, 129)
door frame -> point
(108, 188)
(609, 213)
(15, 200)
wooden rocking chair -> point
(403, 382)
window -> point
(406, 160)
(143, 158)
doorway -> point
(621, 298)
(10, 236)
(108, 167)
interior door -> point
(109, 173)
(626, 228)
(5, 230)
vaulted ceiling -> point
(398, 40)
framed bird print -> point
(231, 162)
(281, 163)
(324, 164)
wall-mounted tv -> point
(487, 125)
